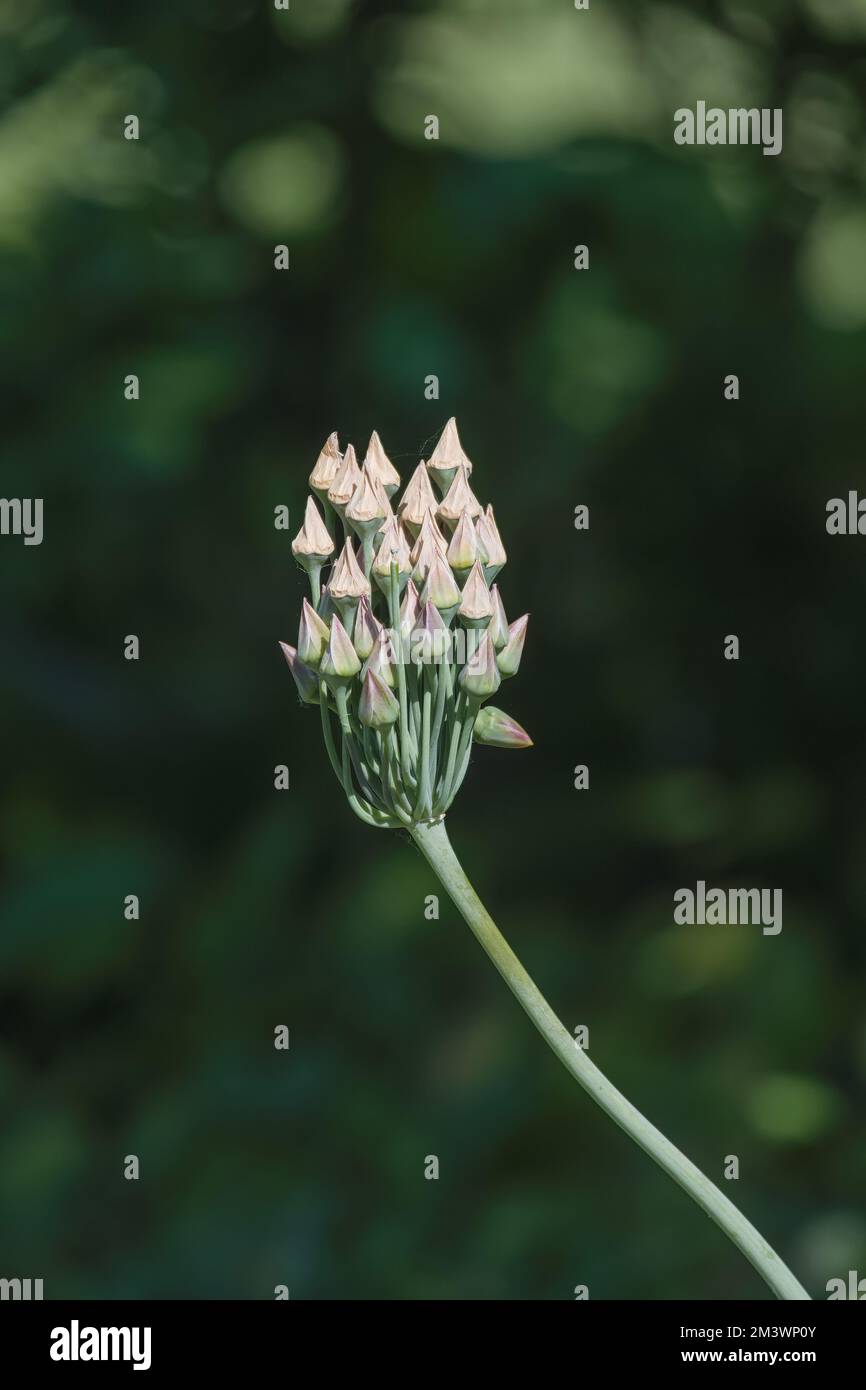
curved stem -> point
(434, 844)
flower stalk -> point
(434, 844)
(401, 648)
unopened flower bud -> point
(479, 676)
(340, 662)
(313, 541)
(347, 583)
(305, 679)
(497, 729)
(475, 608)
(508, 659)
(447, 457)
(498, 628)
(463, 548)
(377, 707)
(381, 659)
(325, 607)
(365, 513)
(394, 548)
(313, 634)
(409, 610)
(458, 499)
(366, 630)
(384, 501)
(490, 545)
(441, 589)
(346, 480)
(429, 544)
(431, 640)
(380, 467)
(326, 467)
(417, 500)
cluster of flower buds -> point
(407, 638)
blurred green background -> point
(412, 257)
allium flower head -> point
(404, 643)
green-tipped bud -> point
(479, 676)
(346, 480)
(508, 659)
(490, 546)
(458, 499)
(498, 628)
(313, 634)
(340, 663)
(417, 500)
(305, 679)
(313, 543)
(447, 457)
(327, 466)
(380, 660)
(497, 729)
(367, 510)
(380, 467)
(348, 584)
(377, 707)
(441, 588)
(463, 548)
(476, 608)
(431, 640)
(366, 630)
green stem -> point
(423, 797)
(394, 612)
(434, 844)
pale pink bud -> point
(458, 499)
(313, 541)
(313, 634)
(377, 707)
(447, 457)
(440, 587)
(305, 679)
(417, 500)
(340, 662)
(347, 479)
(479, 676)
(498, 628)
(475, 608)
(380, 467)
(429, 544)
(366, 630)
(508, 660)
(348, 580)
(381, 659)
(326, 467)
(463, 548)
(431, 640)
(490, 545)
(366, 512)
(409, 609)
(497, 729)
